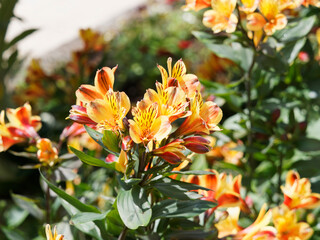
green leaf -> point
(193, 234)
(97, 137)
(114, 222)
(29, 205)
(12, 235)
(111, 140)
(20, 37)
(15, 216)
(292, 49)
(72, 200)
(84, 217)
(92, 160)
(193, 172)
(309, 145)
(235, 52)
(172, 208)
(295, 30)
(177, 189)
(134, 208)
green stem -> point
(279, 176)
(48, 202)
(123, 233)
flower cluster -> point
(176, 97)
(226, 192)
(263, 17)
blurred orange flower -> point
(46, 152)
(297, 192)
(287, 225)
(196, 4)
(221, 16)
(22, 125)
(315, 3)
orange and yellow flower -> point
(46, 152)
(172, 101)
(315, 3)
(287, 225)
(177, 76)
(196, 4)
(147, 124)
(22, 125)
(55, 235)
(290, 4)
(297, 192)
(221, 16)
(204, 118)
(110, 111)
(229, 225)
(270, 19)
(249, 6)
(99, 104)
(259, 229)
(225, 189)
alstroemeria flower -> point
(249, 6)
(46, 152)
(22, 125)
(110, 111)
(315, 3)
(172, 101)
(229, 225)
(290, 4)
(221, 16)
(103, 81)
(203, 119)
(225, 189)
(177, 76)
(147, 124)
(287, 225)
(196, 4)
(55, 235)
(171, 152)
(230, 155)
(259, 229)
(270, 20)
(297, 192)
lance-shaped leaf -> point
(177, 189)
(134, 208)
(111, 140)
(92, 160)
(96, 136)
(28, 205)
(172, 208)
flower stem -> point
(123, 233)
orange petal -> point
(98, 111)
(87, 93)
(104, 79)
(255, 22)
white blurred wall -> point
(58, 21)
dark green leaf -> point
(111, 140)
(292, 49)
(295, 30)
(73, 201)
(193, 172)
(20, 37)
(92, 160)
(114, 222)
(309, 145)
(134, 208)
(96, 136)
(178, 190)
(84, 217)
(172, 208)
